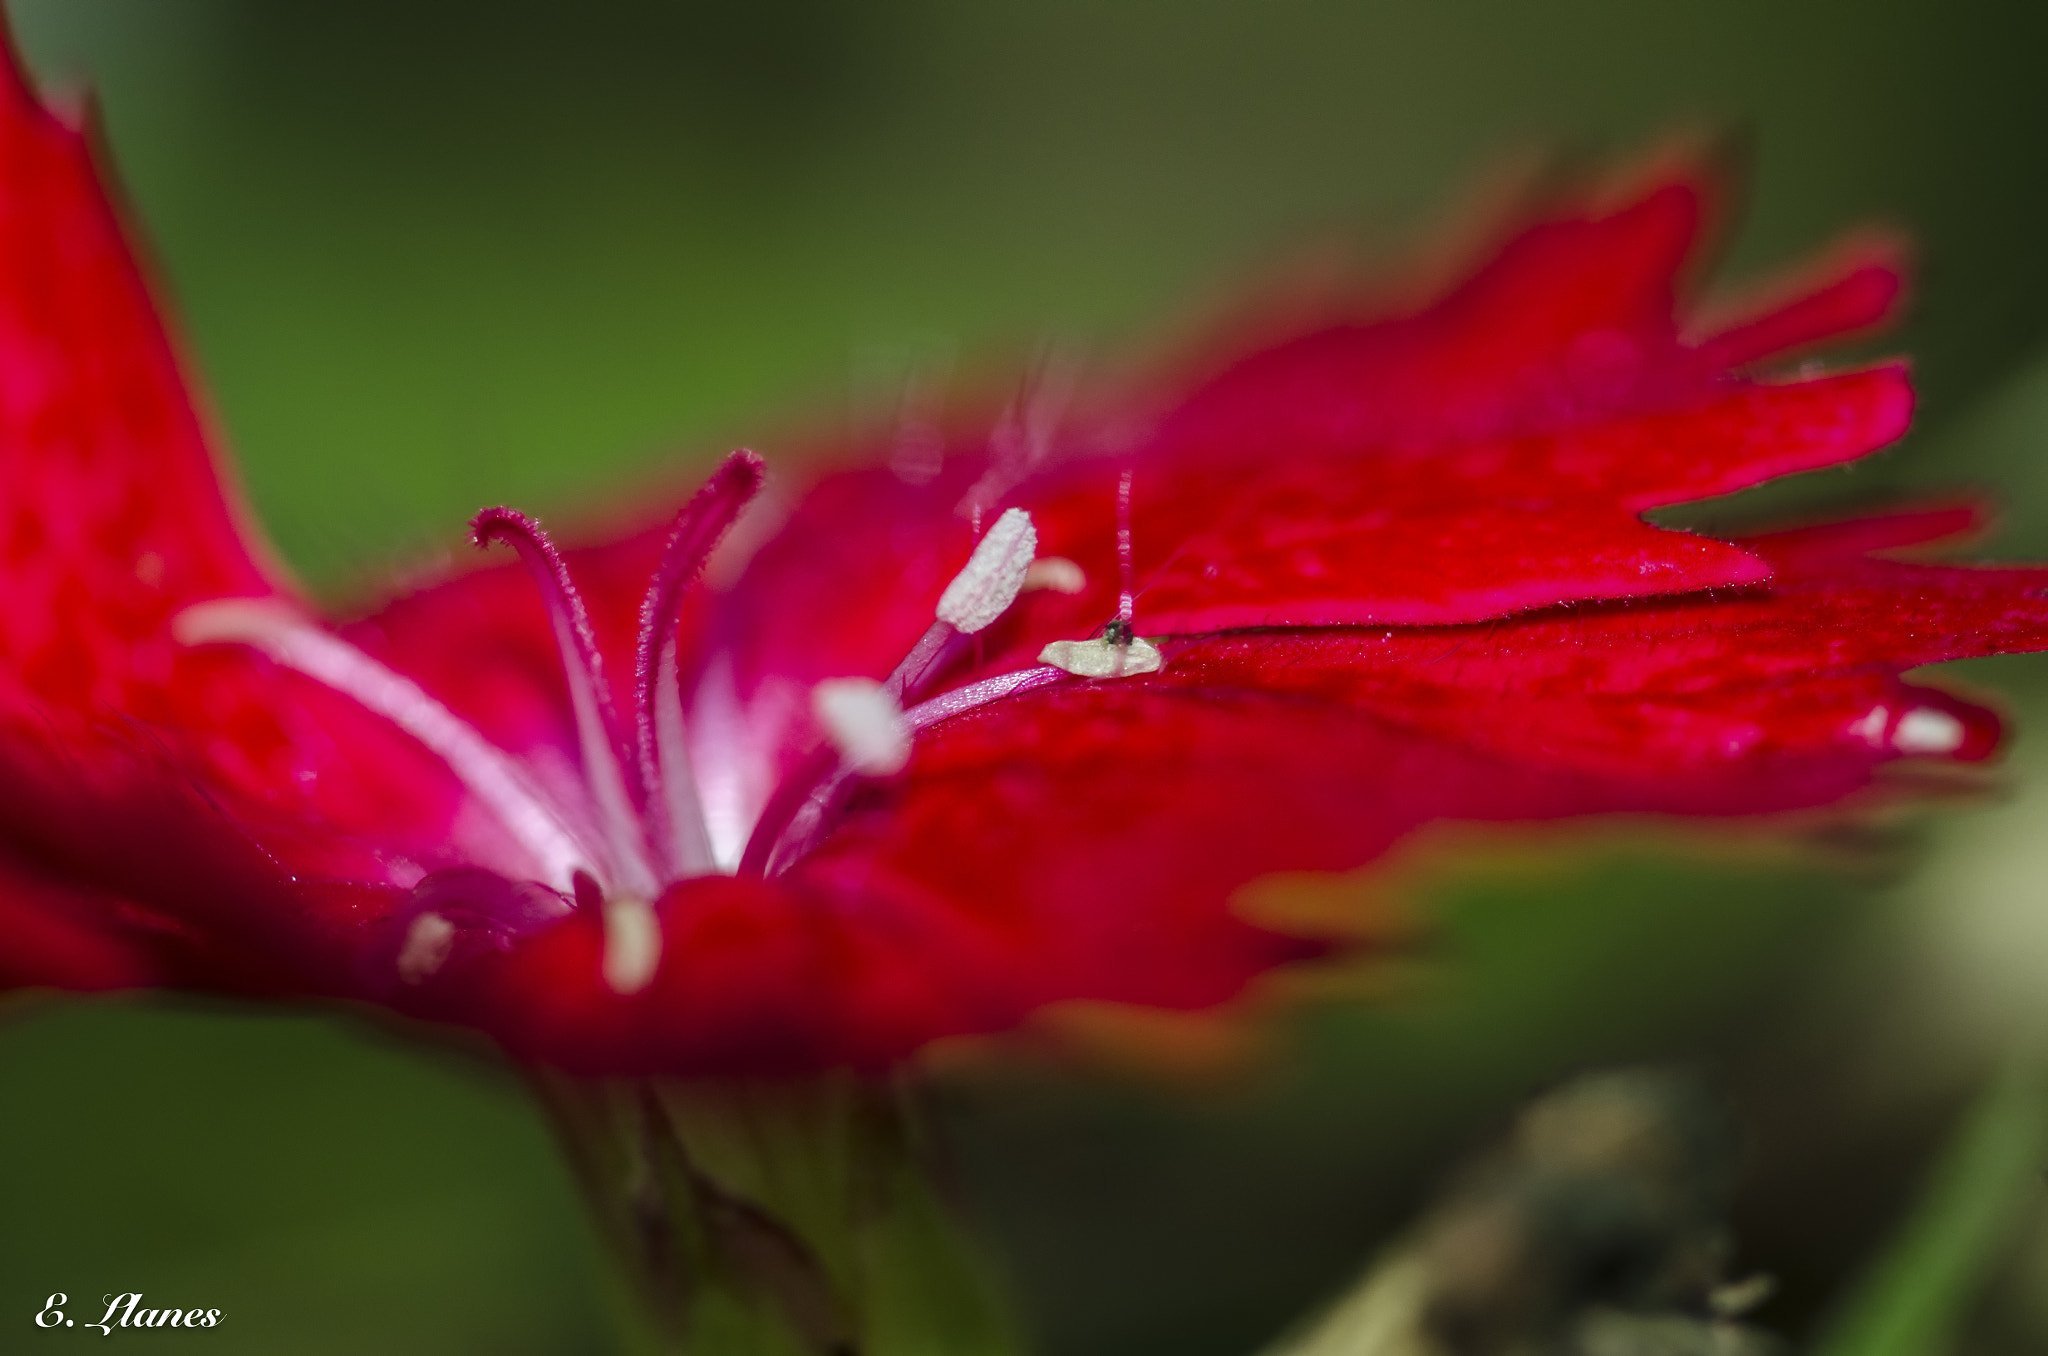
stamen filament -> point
(604, 752)
(924, 658)
(982, 592)
(1126, 572)
(798, 814)
(665, 771)
(961, 700)
(782, 807)
(494, 779)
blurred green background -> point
(430, 256)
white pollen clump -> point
(632, 944)
(1871, 727)
(1926, 730)
(864, 723)
(427, 944)
(1103, 658)
(993, 576)
(1056, 573)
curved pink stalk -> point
(665, 774)
(606, 754)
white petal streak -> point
(493, 778)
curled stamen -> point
(604, 752)
(494, 779)
(665, 770)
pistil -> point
(597, 726)
(666, 774)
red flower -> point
(872, 794)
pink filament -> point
(925, 658)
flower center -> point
(644, 824)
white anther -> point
(1926, 730)
(1056, 573)
(993, 576)
(1103, 658)
(427, 944)
(632, 944)
(864, 723)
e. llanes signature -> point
(130, 1316)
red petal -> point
(114, 520)
(1086, 840)
(1459, 534)
(193, 893)
(1572, 320)
(842, 966)
(1293, 489)
(1895, 531)
(56, 941)
(115, 517)
(1678, 691)
(1862, 290)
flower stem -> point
(774, 1219)
(1921, 1287)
